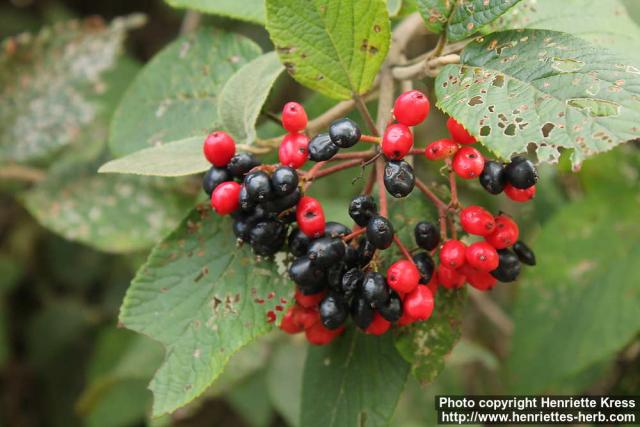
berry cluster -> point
(336, 268)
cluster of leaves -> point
(537, 78)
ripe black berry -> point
(246, 203)
(284, 181)
(492, 177)
(361, 209)
(425, 265)
(283, 203)
(375, 289)
(298, 242)
(258, 185)
(399, 178)
(267, 237)
(344, 133)
(509, 267)
(333, 311)
(214, 177)
(242, 163)
(321, 148)
(335, 229)
(352, 281)
(242, 226)
(334, 276)
(380, 232)
(310, 279)
(521, 173)
(427, 235)
(361, 312)
(352, 257)
(392, 310)
(366, 251)
(524, 253)
(326, 251)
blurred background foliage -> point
(569, 326)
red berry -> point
(378, 326)
(219, 148)
(452, 253)
(310, 217)
(319, 335)
(294, 118)
(433, 284)
(293, 151)
(518, 195)
(459, 133)
(405, 319)
(419, 303)
(308, 301)
(476, 220)
(441, 149)
(305, 317)
(397, 141)
(468, 163)
(481, 280)
(482, 256)
(505, 234)
(411, 108)
(289, 323)
(403, 276)
(225, 199)
(450, 278)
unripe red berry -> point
(419, 303)
(518, 195)
(459, 133)
(225, 199)
(482, 256)
(433, 284)
(308, 301)
(505, 234)
(310, 217)
(450, 278)
(452, 253)
(219, 148)
(441, 149)
(378, 326)
(481, 280)
(319, 335)
(293, 151)
(476, 220)
(294, 118)
(403, 276)
(405, 319)
(411, 108)
(468, 163)
(289, 323)
(397, 141)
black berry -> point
(351, 257)
(310, 279)
(267, 237)
(524, 253)
(246, 202)
(334, 276)
(399, 178)
(258, 185)
(427, 235)
(352, 281)
(344, 133)
(361, 209)
(492, 177)
(298, 242)
(284, 181)
(214, 177)
(242, 226)
(509, 268)
(321, 148)
(283, 203)
(375, 289)
(326, 251)
(335, 229)
(380, 232)
(333, 311)
(425, 265)
(521, 173)
(392, 310)
(242, 163)
(366, 251)
(361, 312)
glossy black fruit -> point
(246, 202)
(427, 235)
(242, 163)
(425, 265)
(326, 251)
(283, 203)
(521, 173)
(351, 257)
(366, 251)
(392, 310)
(321, 148)
(492, 177)
(334, 276)
(380, 232)
(524, 253)
(361, 209)
(361, 312)
(258, 185)
(344, 133)
(214, 177)
(298, 242)
(284, 181)
(335, 229)
(399, 178)
(310, 279)
(267, 237)
(375, 289)
(242, 226)
(509, 268)
(352, 281)
(334, 310)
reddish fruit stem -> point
(364, 155)
(354, 234)
(371, 139)
(452, 184)
(417, 152)
(337, 168)
(371, 180)
(435, 199)
(403, 249)
(382, 192)
(442, 215)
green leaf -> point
(425, 344)
(248, 400)
(245, 10)
(284, 379)
(109, 212)
(542, 89)
(394, 7)
(335, 47)
(244, 94)
(435, 14)
(49, 83)
(356, 380)
(202, 298)
(175, 96)
(177, 158)
(580, 303)
(469, 16)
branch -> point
(430, 67)
(190, 22)
(492, 311)
(22, 173)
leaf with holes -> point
(543, 89)
(587, 277)
(357, 380)
(335, 47)
(61, 73)
(175, 95)
(204, 299)
(435, 13)
(425, 344)
(244, 94)
(468, 16)
(245, 10)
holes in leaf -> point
(547, 128)
(476, 100)
(485, 131)
(510, 130)
(498, 81)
